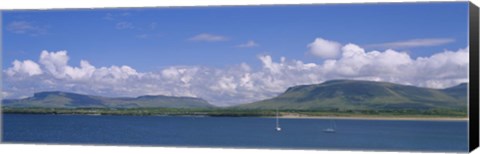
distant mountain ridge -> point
(58, 99)
(329, 95)
(459, 91)
(364, 95)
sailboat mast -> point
(277, 119)
(277, 128)
(334, 124)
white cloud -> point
(54, 62)
(19, 27)
(27, 67)
(443, 69)
(269, 65)
(248, 44)
(355, 61)
(239, 83)
(84, 72)
(5, 94)
(208, 37)
(225, 84)
(24, 27)
(413, 43)
(324, 48)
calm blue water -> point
(236, 132)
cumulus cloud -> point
(54, 73)
(413, 43)
(205, 37)
(56, 65)
(248, 44)
(355, 61)
(26, 67)
(54, 62)
(324, 48)
(238, 83)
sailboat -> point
(331, 129)
(277, 128)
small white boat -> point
(331, 129)
(277, 128)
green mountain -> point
(459, 91)
(364, 95)
(58, 99)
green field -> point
(241, 112)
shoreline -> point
(375, 118)
(360, 117)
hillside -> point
(459, 91)
(58, 99)
(364, 95)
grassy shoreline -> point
(442, 115)
(406, 118)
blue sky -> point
(232, 55)
(279, 31)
